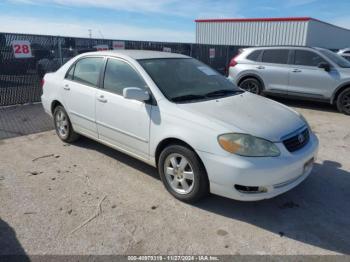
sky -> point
(154, 20)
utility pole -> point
(101, 34)
(90, 33)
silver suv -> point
(305, 72)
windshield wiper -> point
(223, 92)
(187, 98)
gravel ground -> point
(89, 199)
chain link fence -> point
(24, 59)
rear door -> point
(274, 69)
(80, 87)
(307, 79)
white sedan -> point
(173, 112)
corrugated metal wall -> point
(252, 33)
(328, 36)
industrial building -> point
(301, 31)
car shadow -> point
(305, 104)
(90, 144)
(10, 248)
(316, 212)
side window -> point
(307, 58)
(276, 56)
(70, 73)
(254, 56)
(87, 70)
(120, 75)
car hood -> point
(250, 114)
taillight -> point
(42, 82)
(233, 62)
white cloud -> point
(342, 22)
(293, 3)
(79, 28)
(192, 8)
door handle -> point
(102, 99)
(296, 71)
(66, 87)
(261, 67)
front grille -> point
(298, 141)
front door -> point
(122, 122)
(307, 79)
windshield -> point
(340, 61)
(188, 80)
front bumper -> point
(275, 174)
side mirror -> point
(324, 66)
(136, 93)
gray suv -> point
(304, 72)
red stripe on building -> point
(280, 19)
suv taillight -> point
(42, 82)
(233, 62)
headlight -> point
(247, 145)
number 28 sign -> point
(21, 49)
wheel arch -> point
(172, 141)
(251, 75)
(54, 104)
(338, 90)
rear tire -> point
(251, 85)
(343, 101)
(63, 126)
(183, 174)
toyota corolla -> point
(203, 133)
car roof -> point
(280, 47)
(138, 54)
(251, 49)
(344, 50)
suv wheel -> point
(343, 101)
(63, 125)
(183, 174)
(251, 85)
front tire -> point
(251, 85)
(183, 174)
(343, 101)
(63, 126)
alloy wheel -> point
(345, 102)
(179, 173)
(250, 86)
(61, 124)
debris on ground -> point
(41, 157)
(35, 173)
(29, 213)
(97, 213)
(221, 232)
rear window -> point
(254, 56)
(87, 70)
(276, 56)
